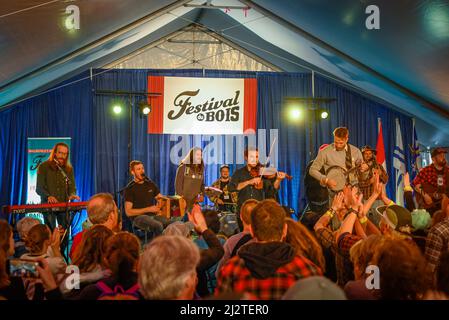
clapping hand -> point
(337, 202)
(197, 218)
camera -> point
(22, 268)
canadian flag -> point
(380, 157)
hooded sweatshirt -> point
(263, 259)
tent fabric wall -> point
(100, 140)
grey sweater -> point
(329, 157)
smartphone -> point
(23, 268)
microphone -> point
(60, 169)
(145, 177)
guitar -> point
(435, 192)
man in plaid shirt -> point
(437, 241)
(268, 267)
(435, 175)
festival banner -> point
(190, 105)
(39, 150)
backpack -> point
(118, 293)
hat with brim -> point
(368, 148)
(395, 216)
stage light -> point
(144, 107)
(324, 114)
(295, 113)
(117, 109)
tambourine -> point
(212, 192)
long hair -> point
(5, 235)
(122, 254)
(304, 242)
(189, 161)
(37, 237)
(68, 165)
(4, 278)
(90, 253)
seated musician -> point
(226, 200)
(141, 201)
(432, 182)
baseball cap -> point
(437, 151)
(314, 288)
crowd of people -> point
(361, 246)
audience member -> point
(268, 267)
(168, 269)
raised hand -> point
(337, 202)
(197, 218)
(406, 179)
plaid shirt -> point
(235, 276)
(429, 175)
(345, 268)
(437, 242)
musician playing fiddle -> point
(248, 182)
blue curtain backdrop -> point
(67, 112)
(100, 139)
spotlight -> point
(144, 107)
(324, 114)
(117, 109)
(295, 113)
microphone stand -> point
(67, 215)
(120, 194)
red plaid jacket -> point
(429, 175)
(235, 276)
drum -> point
(228, 223)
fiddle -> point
(255, 173)
(271, 172)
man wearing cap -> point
(226, 200)
(432, 181)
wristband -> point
(408, 188)
(329, 213)
(363, 220)
(391, 203)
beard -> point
(62, 162)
